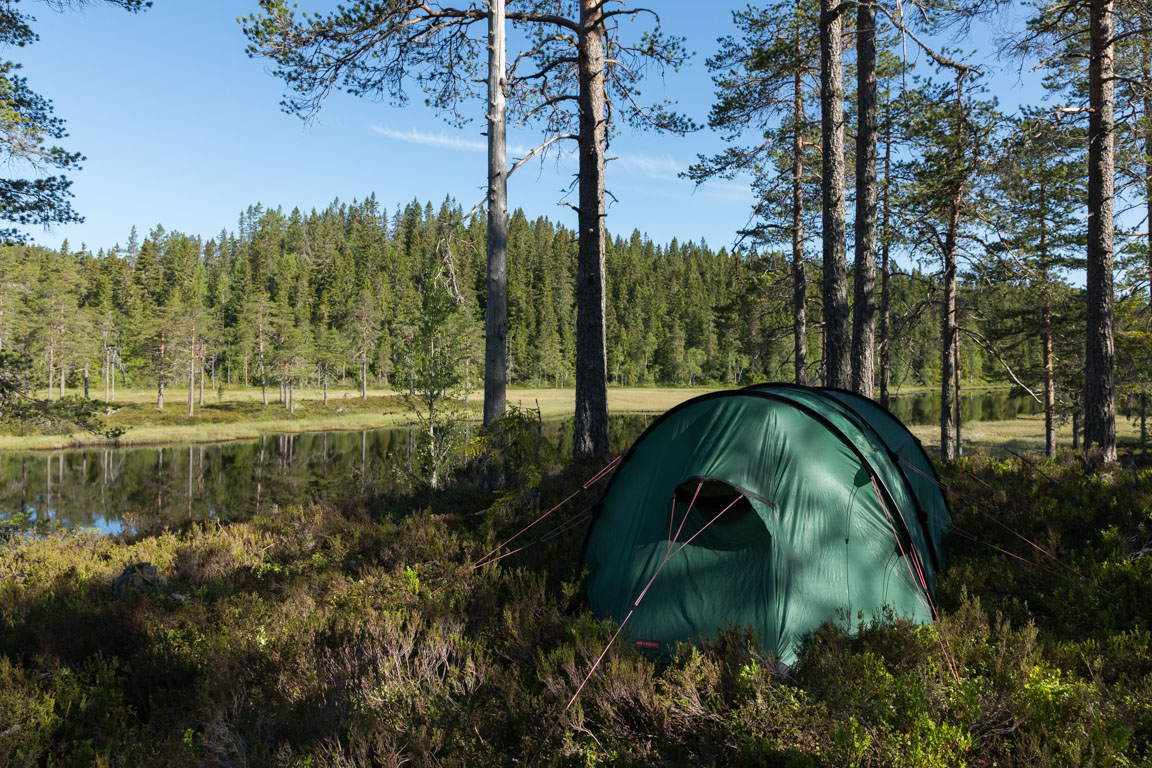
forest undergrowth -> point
(347, 632)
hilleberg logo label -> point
(647, 644)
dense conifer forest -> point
(333, 297)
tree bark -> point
(496, 307)
(1049, 384)
(837, 333)
(51, 368)
(325, 375)
(191, 385)
(200, 390)
(591, 419)
(1049, 360)
(85, 379)
(949, 335)
(799, 279)
(1099, 357)
(864, 309)
(885, 269)
(1146, 77)
(364, 372)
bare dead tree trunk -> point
(160, 383)
(864, 309)
(591, 421)
(325, 375)
(496, 308)
(799, 279)
(1099, 357)
(837, 333)
(200, 391)
(85, 379)
(364, 371)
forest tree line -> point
(334, 298)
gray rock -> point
(140, 578)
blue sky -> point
(181, 128)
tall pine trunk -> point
(799, 279)
(496, 307)
(1099, 383)
(885, 295)
(837, 333)
(864, 306)
(591, 421)
(950, 327)
(1049, 360)
(949, 338)
(191, 385)
(1049, 383)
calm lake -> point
(143, 489)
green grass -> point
(313, 636)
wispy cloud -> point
(662, 167)
(417, 136)
(630, 167)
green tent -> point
(799, 505)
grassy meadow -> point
(237, 414)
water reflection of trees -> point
(986, 406)
(147, 489)
(150, 488)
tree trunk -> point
(958, 398)
(291, 400)
(364, 372)
(63, 376)
(1049, 360)
(51, 368)
(1099, 383)
(496, 307)
(325, 375)
(85, 379)
(160, 393)
(864, 309)
(191, 385)
(1143, 423)
(200, 391)
(948, 336)
(799, 279)
(837, 333)
(885, 295)
(1146, 76)
(1049, 384)
(591, 420)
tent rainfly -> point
(778, 506)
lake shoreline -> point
(221, 427)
